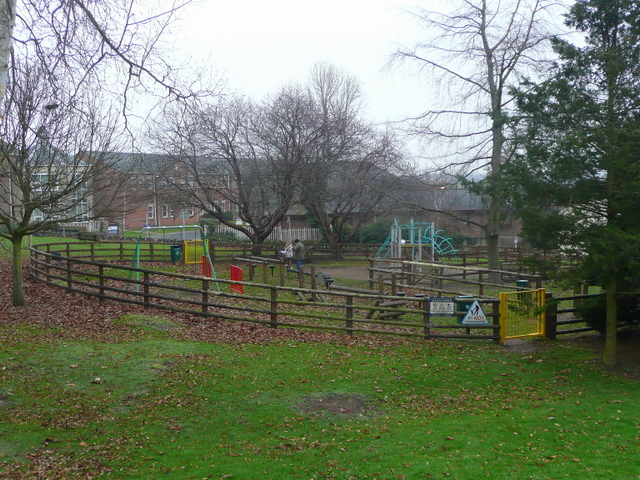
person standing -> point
(298, 253)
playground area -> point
(382, 296)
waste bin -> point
(176, 253)
(463, 303)
(522, 284)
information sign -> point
(442, 306)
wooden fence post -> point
(274, 307)
(576, 301)
(426, 318)
(551, 317)
(394, 287)
(464, 266)
(47, 268)
(101, 281)
(146, 279)
(69, 277)
(496, 320)
(313, 283)
(205, 296)
(282, 272)
(480, 284)
(349, 314)
(579, 290)
(381, 284)
(371, 274)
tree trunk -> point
(256, 249)
(337, 249)
(493, 255)
(492, 237)
(7, 22)
(496, 202)
(611, 336)
(18, 286)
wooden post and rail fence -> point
(380, 308)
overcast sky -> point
(261, 45)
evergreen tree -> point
(577, 178)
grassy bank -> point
(152, 400)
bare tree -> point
(116, 44)
(57, 59)
(7, 24)
(350, 191)
(348, 177)
(46, 178)
(304, 145)
(477, 51)
(242, 157)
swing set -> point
(207, 263)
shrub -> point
(594, 312)
(376, 233)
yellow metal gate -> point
(522, 314)
(193, 251)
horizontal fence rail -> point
(450, 278)
(272, 305)
(561, 315)
(105, 270)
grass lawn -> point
(91, 390)
(153, 400)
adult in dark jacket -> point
(298, 253)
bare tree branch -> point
(476, 51)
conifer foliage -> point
(576, 181)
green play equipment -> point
(176, 250)
(419, 237)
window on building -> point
(44, 182)
(165, 211)
(150, 211)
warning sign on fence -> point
(475, 315)
(442, 306)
